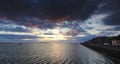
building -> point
(115, 42)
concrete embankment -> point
(113, 51)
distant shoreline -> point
(20, 42)
(111, 51)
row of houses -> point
(115, 40)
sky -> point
(62, 20)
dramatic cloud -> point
(110, 6)
(77, 18)
(95, 25)
(60, 9)
(34, 22)
(49, 9)
(18, 37)
(7, 25)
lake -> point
(50, 53)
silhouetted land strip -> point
(111, 51)
(109, 46)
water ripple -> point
(50, 53)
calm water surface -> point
(50, 53)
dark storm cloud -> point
(72, 25)
(34, 22)
(113, 19)
(114, 7)
(117, 28)
(8, 36)
(7, 25)
(58, 10)
(34, 13)
(50, 9)
(17, 29)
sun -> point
(50, 35)
(53, 37)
